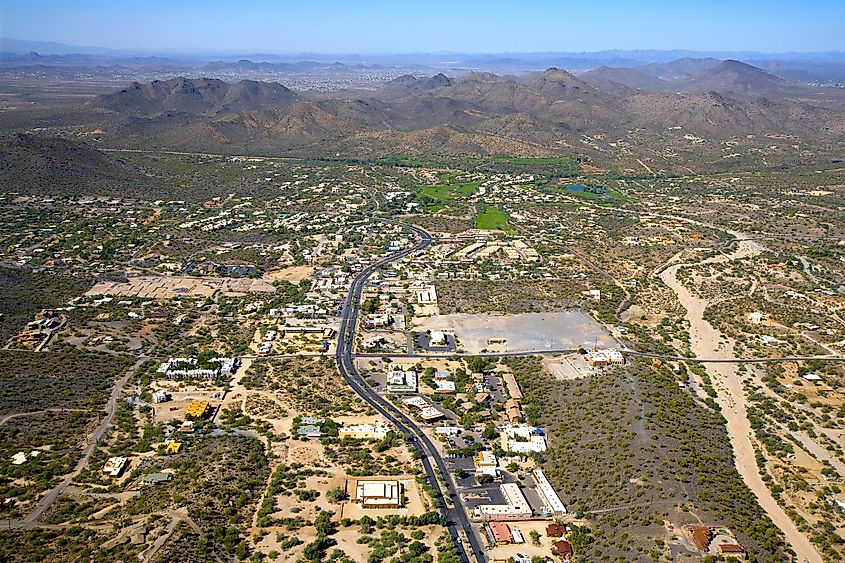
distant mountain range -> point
(703, 113)
(806, 67)
(692, 75)
(611, 116)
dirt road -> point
(709, 342)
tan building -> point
(379, 494)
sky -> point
(432, 26)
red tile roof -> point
(554, 531)
(563, 548)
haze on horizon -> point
(378, 26)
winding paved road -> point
(456, 517)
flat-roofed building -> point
(427, 295)
(430, 413)
(114, 466)
(515, 506)
(500, 532)
(399, 381)
(523, 439)
(379, 494)
(375, 431)
(554, 506)
(485, 458)
(605, 357)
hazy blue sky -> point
(430, 25)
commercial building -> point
(375, 431)
(551, 502)
(399, 381)
(185, 368)
(429, 414)
(605, 357)
(438, 338)
(485, 459)
(500, 533)
(427, 295)
(515, 506)
(416, 402)
(523, 439)
(379, 494)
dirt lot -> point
(523, 332)
(291, 273)
(239, 286)
(569, 366)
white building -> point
(402, 381)
(430, 413)
(438, 338)
(523, 439)
(515, 507)
(114, 466)
(552, 503)
(161, 396)
(375, 431)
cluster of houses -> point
(499, 533)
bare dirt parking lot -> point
(525, 332)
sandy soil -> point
(291, 273)
(570, 366)
(708, 342)
(523, 332)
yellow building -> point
(174, 447)
(197, 409)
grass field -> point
(493, 218)
(449, 191)
(609, 195)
